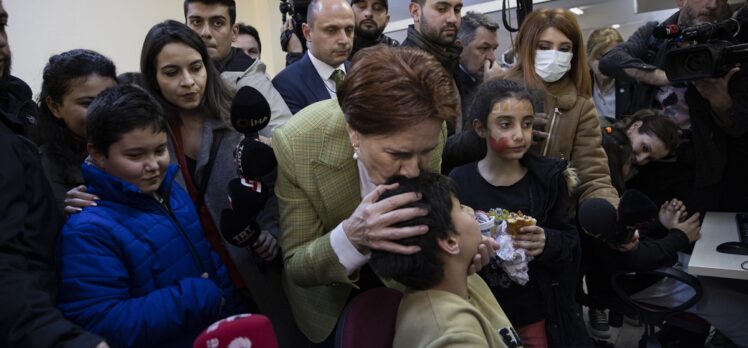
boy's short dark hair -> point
(424, 269)
(119, 110)
(231, 4)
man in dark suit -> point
(329, 35)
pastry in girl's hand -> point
(515, 221)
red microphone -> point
(239, 331)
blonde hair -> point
(600, 39)
(527, 43)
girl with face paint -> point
(553, 59)
(513, 178)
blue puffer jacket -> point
(131, 269)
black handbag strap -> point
(208, 168)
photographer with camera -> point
(294, 16)
(709, 111)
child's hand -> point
(486, 249)
(532, 239)
(691, 227)
(672, 212)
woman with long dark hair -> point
(70, 81)
(635, 140)
(178, 71)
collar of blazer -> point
(336, 173)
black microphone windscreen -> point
(254, 159)
(635, 208)
(250, 111)
(248, 197)
(237, 229)
(598, 218)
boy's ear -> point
(97, 157)
(449, 245)
(479, 129)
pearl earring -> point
(355, 153)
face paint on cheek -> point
(498, 145)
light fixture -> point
(577, 11)
(616, 26)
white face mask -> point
(551, 65)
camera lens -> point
(697, 61)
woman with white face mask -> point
(551, 58)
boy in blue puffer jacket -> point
(136, 269)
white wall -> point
(116, 28)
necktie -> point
(337, 76)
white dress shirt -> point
(325, 71)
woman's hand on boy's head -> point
(486, 249)
(532, 239)
(370, 225)
(76, 199)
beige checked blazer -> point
(317, 188)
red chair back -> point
(369, 320)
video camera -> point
(297, 10)
(717, 47)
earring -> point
(355, 153)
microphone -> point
(614, 227)
(598, 217)
(254, 161)
(666, 31)
(726, 29)
(239, 230)
(636, 209)
(250, 111)
(243, 330)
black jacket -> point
(361, 43)
(237, 60)
(557, 268)
(29, 224)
